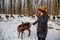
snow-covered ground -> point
(8, 29)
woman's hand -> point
(30, 24)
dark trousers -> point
(41, 38)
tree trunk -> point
(19, 7)
(28, 7)
(2, 6)
(24, 7)
(58, 1)
(54, 8)
(5, 6)
(49, 7)
(36, 6)
(13, 7)
(10, 7)
(31, 8)
(41, 2)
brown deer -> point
(21, 28)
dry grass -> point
(57, 29)
(50, 27)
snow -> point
(8, 29)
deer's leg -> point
(22, 35)
(29, 32)
(18, 34)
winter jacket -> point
(42, 26)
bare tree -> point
(5, 6)
(13, 6)
(28, 7)
(10, 7)
(58, 5)
(19, 6)
(24, 7)
(36, 5)
(42, 2)
(31, 8)
(49, 7)
(2, 6)
(54, 8)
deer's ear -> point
(22, 22)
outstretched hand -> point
(30, 24)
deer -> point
(21, 28)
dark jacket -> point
(42, 25)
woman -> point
(42, 23)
